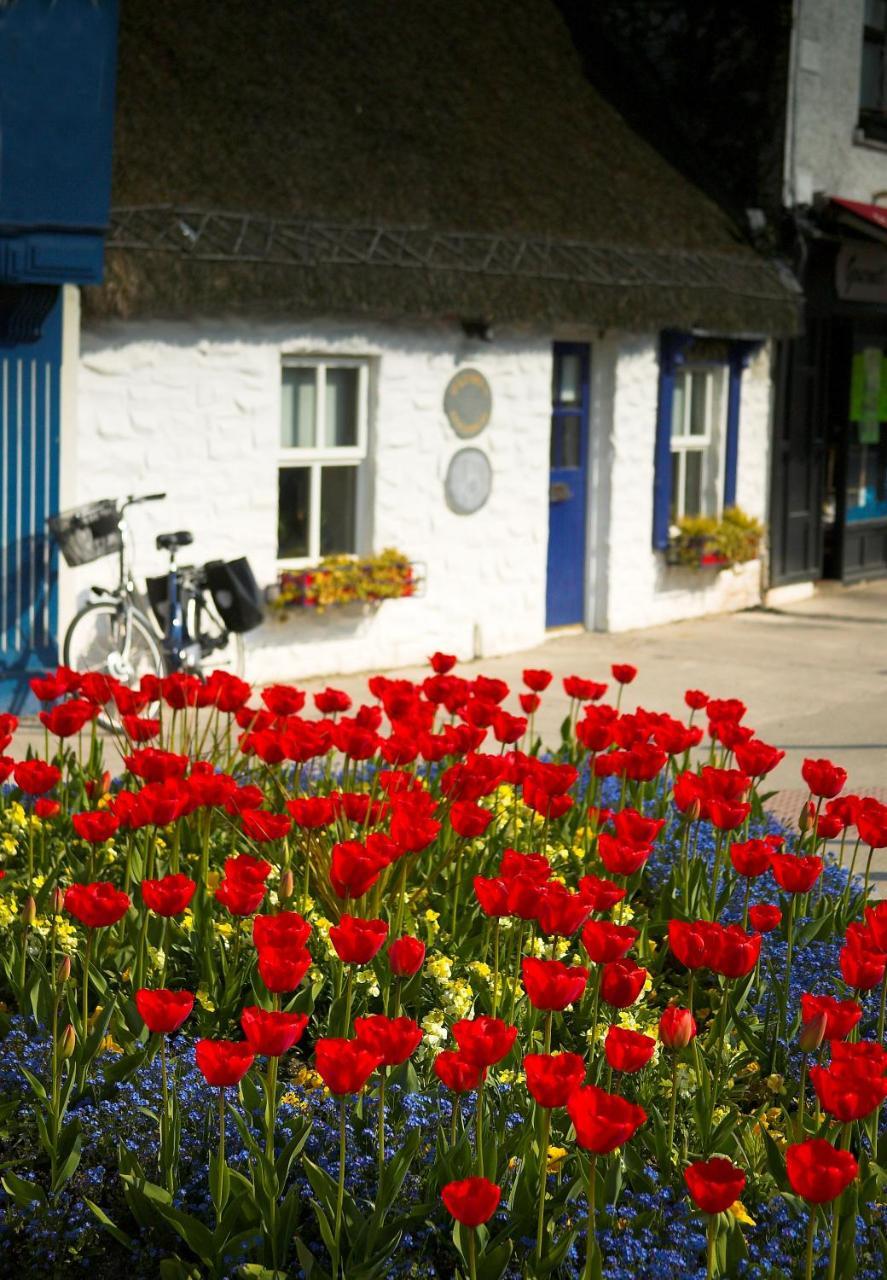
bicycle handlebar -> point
(132, 501)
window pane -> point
(293, 511)
(338, 502)
(870, 78)
(554, 455)
(341, 408)
(568, 379)
(875, 13)
(298, 399)
(677, 464)
(678, 404)
(693, 482)
(699, 404)
(571, 438)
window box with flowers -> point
(344, 580)
(706, 542)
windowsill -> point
(867, 141)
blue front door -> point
(30, 366)
(565, 600)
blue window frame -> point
(685, 435)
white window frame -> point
(710, 445)
(317, 456)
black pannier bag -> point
(235, 593)
(158, 589)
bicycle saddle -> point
(171, 541)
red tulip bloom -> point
(841, 1016)
(623, 672)
(331, 701)
(735, 952)
(344, 1065)
(354, 869)
(823, 778)
(96, 827)
(764, 917)
(693, 942)
(537, 679)
(628, 1050)
(241, 898)
(468, 819)
(441, 663)
(847, 1090)
(393, 1040)
(795, 874)
(152, 765)
(529, 702)
(621, 983)
(871, 823)
(283, 699)
(456, 1072)
(484, 1041)
(357, 941)
(860, 970)
(406, 956)
(677, 1027)
(553, 1077)
(472, 1201)
(312, 812)
(163, 1011)
(726, 815)
(818, 1172)
(605, 941)
(69, 718)
(583, 690)
(270, 1032)
(285, 929)
(621, 858)
(43, 808)
(695, 699)
(860, 1055)
(530, 866)
(169, 896)
(264, 827)
(561, 912)
(549, 984)
(140, 729)
(751, 858)
(603, 1121)
(35, 777)
(601, 895)
(96, 905)
(283, 968)
(714, 1184)
(223, 1062)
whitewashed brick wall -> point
(195, 410)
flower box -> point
(703, 542)
(344, 580)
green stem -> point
(711, 1237)
(270, 1107)
(472, 1254)
(86, 961)
(349, 993)
(590, 1240)
(799, 1130)
(672, 1106)
(543, 1180)
(811, 1232)
(496, 966)
(454, 1116)
(383, 1072)
(340, 1195)
(479, 1129)
(833, 1249)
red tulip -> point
(344, 1065)
(153, 765)
(735, 952)
(331, 701)
(795, 874)
(583, 690)
(823, 778)
(677, 1027)
(620, 857)
(751, 858)
(841, 1016)
(605, 941)
(693, 942)
(96, 905)
(35, 777)
(549, 984)
(223, 1062)
(847, 1090)
(270, 1032)
(441, 663)
(819, 1172)
(68, 718)
(628, 1050)
(472, 1201)
(764, 917)
(241, 898)
(623, 672)
(553, 1077)
(603, 1121)
(456, 1072)
(264, 827)
(393, 1040)
(537, 679)
(714, 1184)
(169, 896)
(484, 1041)
(468, 819)
(96, 827)
(163, 1011)
(406, 956)
(357, 941)
(860, 970)
(312, 812)
(621, 983)
(283, 968)
(601, 895)
(354, 869)
(285, 929)
(561, 912)
(43, 808)
(283, 699)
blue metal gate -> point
(29, 493)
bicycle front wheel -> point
(117, 641)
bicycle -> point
(200, 611)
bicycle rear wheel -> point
(117, 641)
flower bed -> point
(314, 996)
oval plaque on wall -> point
(468, 481)
(468, 402)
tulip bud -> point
(63, 972)
(57, 901)
(677, 1027)
(692, 812)
(812, 1033)
(287, 884)
(29, 910)
(67, 1042)
(805, 821)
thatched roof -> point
(401, 158)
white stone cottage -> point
(372, 284)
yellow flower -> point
(213, 880)
(740, 1213)
(556, 1156)
(775, 1084)
(109, 1045)
(204, 1001)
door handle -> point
(560, 491)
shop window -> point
(322, 458)
(873, 72)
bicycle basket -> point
(235, 593)
(158, 598)
(87, 533)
